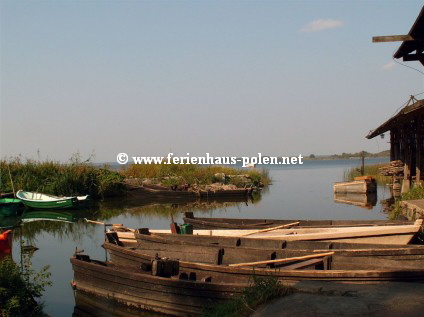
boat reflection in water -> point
(367, 201)
(88, 305)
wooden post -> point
(392, 145)
(418, 146)
(405, 150)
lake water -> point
(298, 192)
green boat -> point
(9, 206)
(44, 201)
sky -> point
(229, 78)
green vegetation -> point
(20, 289)
(55, 178)
(81, 178)
(369, 170)
(262, 290)
(178, 174)
(416, 192)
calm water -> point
(298, 192)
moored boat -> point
(9, 206)
(44, 201)
(390, 234)
(363, 185)
(286, 265)
(176, 294)
(239, 223)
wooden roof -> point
(412, 50)
(406, 114)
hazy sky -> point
(232, 78)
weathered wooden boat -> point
(162, 191)
(44, 201)
(365, 184)
(390, 234)
(352, 265)
(176, 294)
(238, 223)
(10, 206)
(164, 241)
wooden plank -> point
(274, 228)
(300, 258)
(392, 38)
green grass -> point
(178, 174)
(55, 178)
(416, 192)
(261, 290)
(369, 170)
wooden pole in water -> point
(11, 181)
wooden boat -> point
(286, 265)
(179, 294)
(365, 184)
(6, 242)
(44, 201)
(390, 234)
(9, 206)
(161, 241)
(237, 223)
(162, 191)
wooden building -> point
(407, 126)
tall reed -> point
(55, 178)
(369, 170)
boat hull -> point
(343, 268)
(398, 234)
(142, 290)
(43, 201)
(9, 206)
(237, 223)
(358, 186)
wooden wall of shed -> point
(407, 145)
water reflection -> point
(367, 201)
(88, 305)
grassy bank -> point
(178, 174)
(369, 170)
(55, 178)
(416, 192)
(261, 291)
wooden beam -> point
(392, 38)
(413, 57)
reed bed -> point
(369, 170)
(178, 174)
(51, 177)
